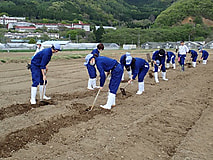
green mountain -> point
(106, 12)
(178, 11)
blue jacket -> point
(95, 51)
(156, 56)
(42, 58)
(123, 60)
(193, 54)
(104, 64)
(138, 65)
(170, 54)
(205, 54)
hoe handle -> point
(95, 99)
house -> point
(25, 28)
(48, 26)
(13, 24)
(81, 25)
(6, 19)
(106, 27)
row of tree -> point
(110, 12)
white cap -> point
(57, 46)
(127, 54)
(128, 60)
(38, 42)
(87, 58)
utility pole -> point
(139, 37)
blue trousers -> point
(163, 68)
(194, 59)
(91, 71)
(205, 57)
(182, 59)
(171, 58)
(143, 71)
(115, 80)
(37, 76)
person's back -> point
(42, 58)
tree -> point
(32, 41)
(99, 33)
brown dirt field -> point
(170, 121)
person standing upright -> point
(39, 47)
(182, 51)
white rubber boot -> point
(44, 96)
(94, 83)
(174, 66)
(167, 65)
(122, 79)
(140, 88)
(33, 95)
(156, 77)
(89, 86)
(113, 104)
(204, 61)
(130, 74)
(164, 76)
(110, 101)
(194, 64)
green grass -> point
(70, 56)
(32, 50)
(26, 59)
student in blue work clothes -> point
(105, 64)
(204, 56)
(123, 64)
(159, 60)
(193, 57)
(38, 70)
(182, 51)
(170, 59)
(139, 68)
(91, 69)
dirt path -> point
(171, 120)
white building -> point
(13, 24)
(25, 28)
(106, 27)
(49, 26)
(27, 35)
(81, 25)
(5, 19)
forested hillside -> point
(106, 12)
(181, 9)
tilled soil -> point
(170, 120)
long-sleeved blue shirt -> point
(95, 51)
(42, 58)
(156, 56)
(193, 54)
(123, 60)
(170, 54)
(205, 54)
(104, 64)
(137, 66)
